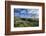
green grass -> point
(28, 22)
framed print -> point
(24, 17)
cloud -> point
(26, 13)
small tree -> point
(34, 15)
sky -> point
(26, 13)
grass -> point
(28, 22)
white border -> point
(25, 28)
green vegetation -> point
(25, 22)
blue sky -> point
(26, 13)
